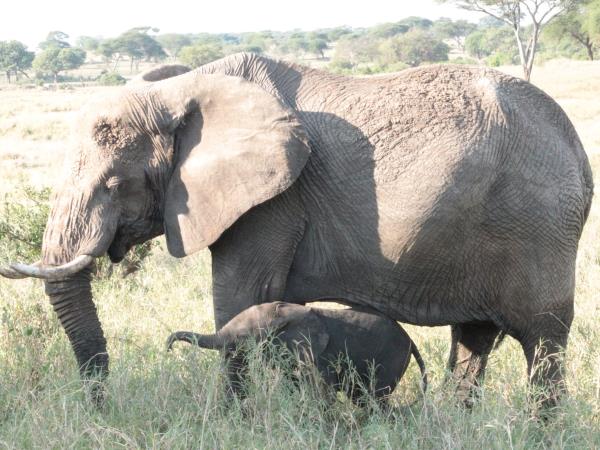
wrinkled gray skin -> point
(442, 195)
(324, 336)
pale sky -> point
(30, 21)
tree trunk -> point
(590, 50)
(522, 54)
(531, 48)
(8, 76)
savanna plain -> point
(157, 399)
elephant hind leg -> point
(543, 348)
(471, 345)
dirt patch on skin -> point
(113, 137)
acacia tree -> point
(57, 55)
(457, 31)
(54, 60)
(14, 58)
(136, 44)
(493, 43)
(55, 39)
(200, 53)
(580, 25)
(173, 43)
(317, 44)
(88, 43)
(413, 48)
(518, 14)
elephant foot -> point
(95, 393)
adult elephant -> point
(441, 195)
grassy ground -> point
(160, 400)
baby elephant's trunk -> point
(211, 341)
(421, 363)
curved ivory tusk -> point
(9, 272)
(54, 273)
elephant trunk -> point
(72, 301)
(211, 341)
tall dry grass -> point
(161, 400)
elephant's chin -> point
(117, 251)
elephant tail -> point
(499, 339)
(421, 363)
(211, 341)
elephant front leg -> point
(250, 265)
(252, 259)
(471, 345)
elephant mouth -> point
(116, 253)
(129, 236)
(118, 249)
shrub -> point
(23, 220)
(463, 60)
(499, 59)
(353, 50)
(201, 53)
(495, 45)
(346, 68)
(394, 67)
(413, 48)
(22, 224)
(341, 67)
(110, 79)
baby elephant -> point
(364, 337)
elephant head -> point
(185, 156)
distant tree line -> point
(55, 56)
(513, 32)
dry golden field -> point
(160, 400)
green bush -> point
(413, 48)
(200, 53)
(463, 60)
(394, 67)
(340, 67)
(499, 59)
(111, 79)
(23, 219)
(22, 223)
(346, 68)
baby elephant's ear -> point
(301, 329)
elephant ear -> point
(302, 328)
(236, 146)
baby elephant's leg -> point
(237, 370)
